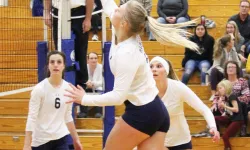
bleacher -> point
(14, 108)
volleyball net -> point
(19, 33)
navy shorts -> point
(148, 118)
(59, 144)
(182, 146)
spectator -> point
(94, 84)
(243, 22)
(201, 59)
(171, 11)
(232, 72)
(233, 115)
(96, 20)
(232, 28)
(223, 51)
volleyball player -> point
(146, 120)
(50, 118)
(174, 93)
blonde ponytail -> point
(165, 33)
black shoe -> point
(82, 115)
(98, 115)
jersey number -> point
(57, 103)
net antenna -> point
(64, 23)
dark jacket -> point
(206, 49)
(244, 27)
(177, 8)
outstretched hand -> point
(216, 134)
(75, 94)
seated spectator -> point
(233, 115)
(242, 19)
(240, 89)
(96, 20)
(94, 84)
(223, 51)
(202, 59)
(171, 11)
(232, 28)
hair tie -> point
(146, 18)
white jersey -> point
(96, 78)
(176, 94)
(73, 3)
(48, 113)
(130, 66)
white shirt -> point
(96, 79)
(48, 113)
(130, 67)
(176, 94)
(73, 3)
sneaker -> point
(82, 115)
(210, 24)
(98, 115)
(95, 37)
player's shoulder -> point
(39, 88)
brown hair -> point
(245, 1)
(92, 53)
(237, 68)
(220, 44)
(47, 61)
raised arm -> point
(109, 7)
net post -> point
(109, 111)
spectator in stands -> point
(94, 84)
(96, 20)
(223, 51)
(171, 11)
(233, 115)
(80, 27)
(232, 73)
(243, 22)
(201, 59)
(232, 28)
(173, 94)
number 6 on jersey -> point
(57, 103)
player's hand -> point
(75, 94)
(86, 25)
(77, 145)
(47, 19)
(215, 133)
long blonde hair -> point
(236, 31)
(220, 44)
(164, 33)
